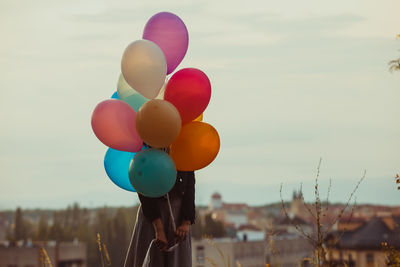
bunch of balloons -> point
(149, 114)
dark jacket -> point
(183, 188)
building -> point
(250, 232)
(297, 207)
(216, 202)
(4, 225)
(209, 253)
(285, 224)
(288, 250)
(361, 244)
(236, 213)
(64, 254)
(259, 217)
(232, 214)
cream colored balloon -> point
(123, 88)
(144, 67)
(162, 91)
(158, 123)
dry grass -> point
(317, 212)
(226, 260)
(392, 256)
(104, 255)
(394, 65)
(44, 258)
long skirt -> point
(143, 234)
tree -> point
(43, 228)
(76, 217)
(56, 231)
(213, 228)
(19, 228)
(318, 211)
(394, 65)
(120, 239)
(197, 228)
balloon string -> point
(170, 213)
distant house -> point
(216, 201)
(234, 214)
(361, 245)
(285, 224)
(289, 250)
(4, 225)
(237, 253)
(286, 246)
(64, 254)
(250, 233)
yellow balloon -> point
(199, 118)
(196, 146)
(158, 123)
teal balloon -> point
(116, 164)
(152, 172)
(129, 95)
(135, 101)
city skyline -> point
(291, 83)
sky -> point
(292, 82)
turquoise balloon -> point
(152, 172)
(135, 101)
(115, 95)
(129, 95)
(116, 164)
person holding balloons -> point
(156, 219)
(156, 138)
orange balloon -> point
(158, 123)
(199, 118)
(196, 146)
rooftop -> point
(370, 235)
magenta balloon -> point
(169, 32)
(113, 123)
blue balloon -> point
(115, 95)
(117, 164)
(152, 172)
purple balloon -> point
(169, 32)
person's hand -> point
(161, 239)
(182, 231)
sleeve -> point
(149, 207)
(188, 207)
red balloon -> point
(113, 123)
(189, 90)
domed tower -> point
(216, 202)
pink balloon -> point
(113, 123)
(169, 32)
(189, 90)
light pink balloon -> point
(113, 123)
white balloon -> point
(123, 88)
(162, 91)
(144, 67)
